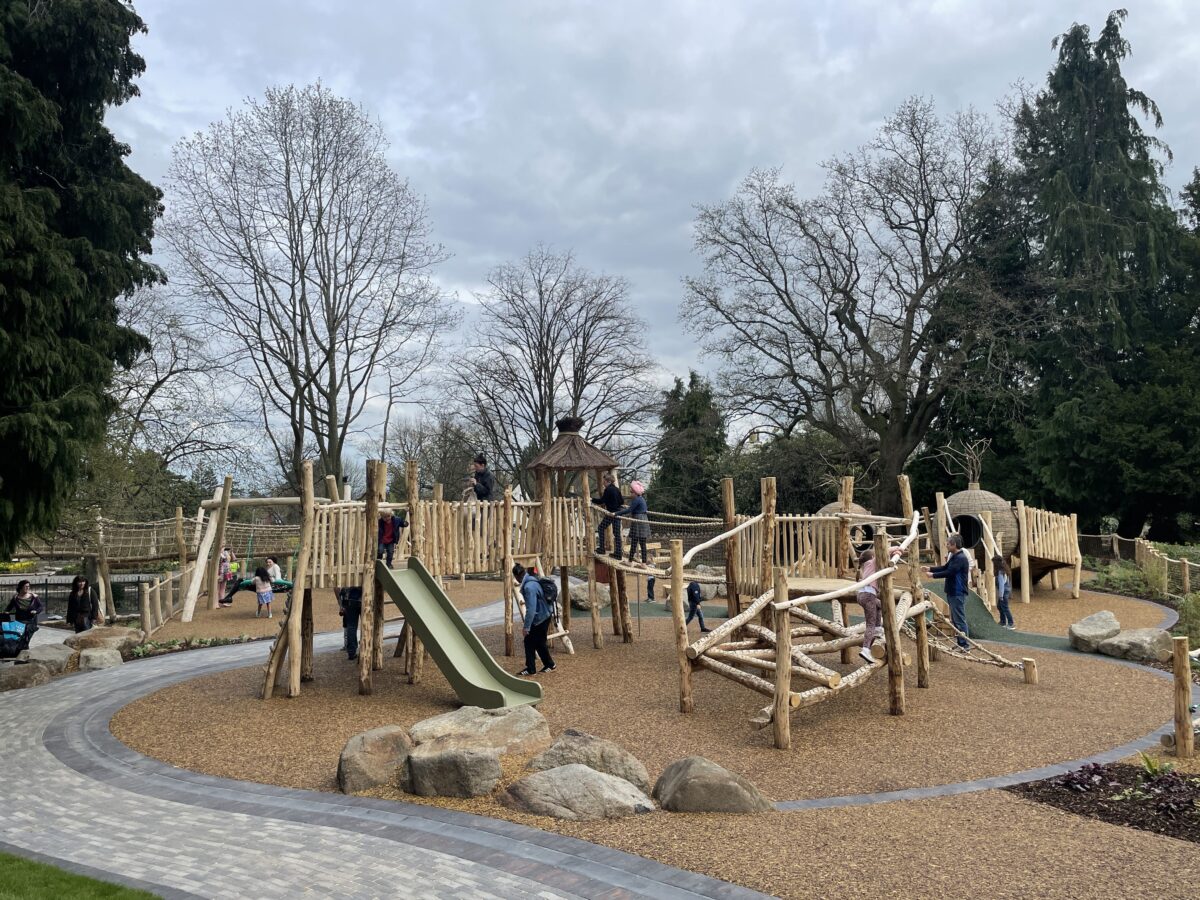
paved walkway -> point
(91, 804)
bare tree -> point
(855, 312)
(550, 340)
(315, 258)
(173, 401)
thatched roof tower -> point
(571, 452)
(971, 502)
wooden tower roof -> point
(571, 452)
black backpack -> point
(549, 594)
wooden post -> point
(989, 568)
(306, 635)
(845, 499)
(1030, 668)
(906, 500)
(1079, 557)
(287, 568)
(782, 626)
(1023, 550)
(144, 608)
(1185, 576)
(1181, 663)
(922, 651)
(435, 546)
(214, 557)
(767, 488)
(295, 637)
(156, 603)
(417, 543)
(729, 509)
(597, 628)
(939, 518)
(681, 642)
(381, 480)
(366, 625)
(887, 601)
(506, 525)
(180, 543)
(930, 534)
(331, 488)
(623, 600)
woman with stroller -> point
(25, 606)
(83, 606)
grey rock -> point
(1087, 634)
(575, 792)
(123, 640)
(95, 658)
(440, 768)
(579, 596)
(23, 675)
(573, 746)
(517, 729)
(56, 657)
(1139, 644)
(373, 758)
(696, 784)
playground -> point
(922, 739)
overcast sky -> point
(598, 126)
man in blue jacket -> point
(537, 621)
(956, 571)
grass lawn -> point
(21, 879)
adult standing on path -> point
(612, 501)
(485, 483)
(537, 621)
(25, 605)
(83, 606)
(956, 571)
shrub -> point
(1122, 577)
(1189, 618)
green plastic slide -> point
(475, 676)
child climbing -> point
(1003, 592)
(639, 530)
(264, 589)
(694, 598)
(868, 599)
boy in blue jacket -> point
(537, 621)
(956, 571)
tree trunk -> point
(886, 498)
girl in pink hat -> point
(639, 529)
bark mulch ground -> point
(1165, 802)
(974, 721)
(239, 619)
(1053, 612)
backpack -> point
(549, 594)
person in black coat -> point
(83, 606)
(484, 482)
(612, 501)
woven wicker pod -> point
(830, 509)
(973, 501)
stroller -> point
(14, 636)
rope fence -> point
(1174, 578)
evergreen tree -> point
(1115, 418)
(687, 477)
(74, 223)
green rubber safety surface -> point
(984, 628)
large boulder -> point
(575, 792)
(1139, 644)
(441, 768)
(516, 729)
(373, 758)
(95, 658)
(579, 596)
(55, 657)
(1087, 634)
(579, 747)
(710, 591)
(123, 640)
(696, 784)
(23, 675)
